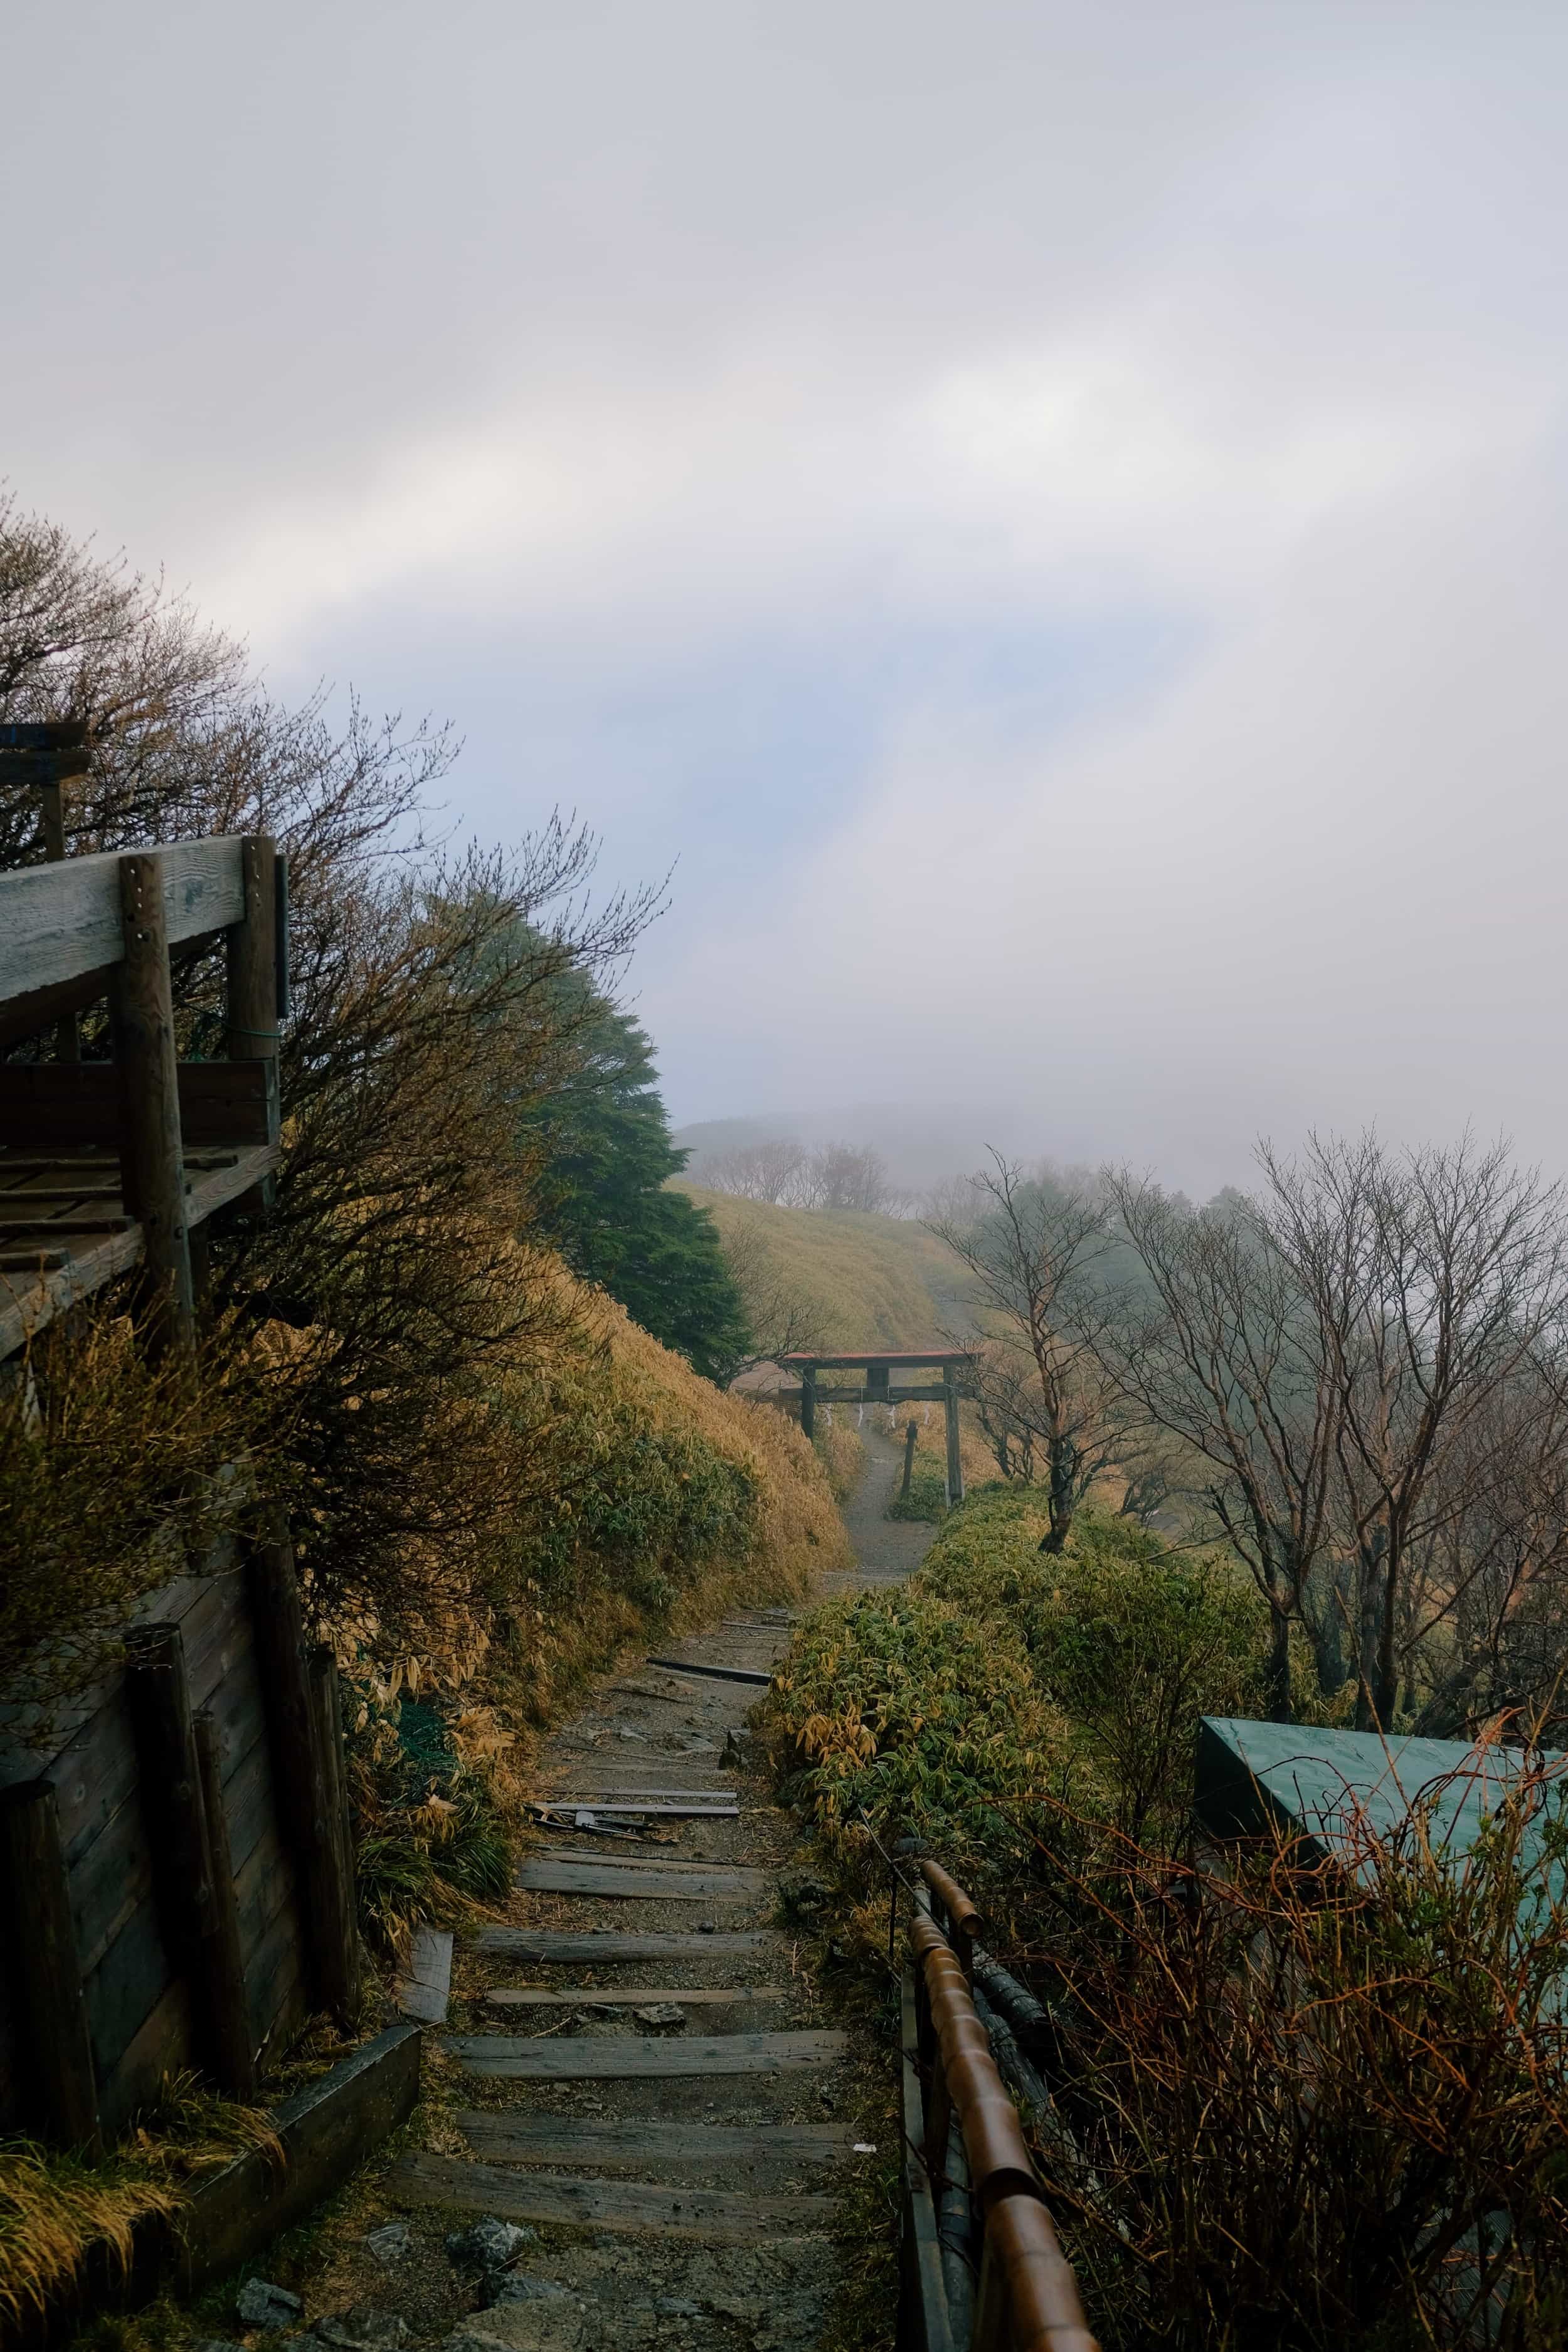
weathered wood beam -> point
(931, 1394)
(254, 994)
(53, 2043)
(235, 2059)
(26, 1308)
(82, 1104)
(151, 1163)
(184, 1862)
(954, 1456)
(294, 1742)
(334, 1839)
(62, 922)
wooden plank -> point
(631, 1793)
(143, 1016)
(163, 2043)
(512, 2139)
(632, 1809)
(17, 1226)
(629, 1996)
(234, 2054)
(114, 1877)
(48, 1969)
(555, 1947)
(716, 1674)
(639, 2057)
(660, 1863)
(276, 1985)
(424, 1988)
(17, 1164)
(297, 1730)
(252, 987)
(333, 1840)
(639, 1882)
(252, 1801)
(722, 2217)
(216, 1632)
(327, 2130)
(60, 922)
(70, 1105)
(26, 1308)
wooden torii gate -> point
(879, 1365)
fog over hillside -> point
(922, 1143)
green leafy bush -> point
(948, 1707)
(927, 1497)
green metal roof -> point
(1315, 1782)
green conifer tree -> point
(606, 1206)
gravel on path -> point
(568, 2287)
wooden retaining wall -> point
(148, 1992)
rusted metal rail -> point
(983, 2269)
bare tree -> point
(768, 1171)
(840, 1176)
(1031, 1248)
(1432, 1277)
(426, 1011)
(1221, 1350)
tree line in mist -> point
(1355, 1375)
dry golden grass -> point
(868, 1281)
(55, 2209)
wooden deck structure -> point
(879, 1365)
(174, 1841)
(111, 1165)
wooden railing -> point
(982, 2269)
(97, 1173)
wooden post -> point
(170, 1786)
(54, 2044)
(911, 1436)
(235, 2058)
(335, 1838)
(151, 1159)
(254, 993)
(955, 1460)
(808, 1400)
(293, 1744)
(64, 765)
(252, 947)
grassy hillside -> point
(873, 1282)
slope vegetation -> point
(866, 1281)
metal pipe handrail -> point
(1028, 2297)
(962, 1915)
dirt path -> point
(886, 1550)
(653, 2125)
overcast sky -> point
(1053, 514)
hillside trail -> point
(651, 2132)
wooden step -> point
(637, 2057)
(718, 1673)
(634, 1880)
(636, 1809)
(629, 1996)
(556, 1947)
(722, 2216)
(647, 2148)
(682, 1866)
